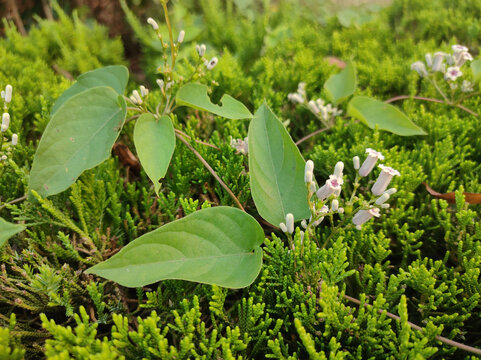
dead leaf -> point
(471, 198)
(126, 157)
(332, 60)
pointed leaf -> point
(340, 86)
(115, 76)
(78, 137)
(155, 143)
(195, 96)
(7, 230)
(476, 68)
(218, 245)
(386, 117)
(470, 198)
(276, 170)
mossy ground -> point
(421, 260)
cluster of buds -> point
(325, 201)
(136, 97)
(209, 64)
(7, 98)
(240, 145)
(324, 112)
(447, 64)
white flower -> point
(355, 162)
(362, 216)
(200, 49)
(137, 98)
(283, 227)
(295, 98)
(391, 191)
(160, 83)
(420, 68)
(8, 93)
(332, 184)
(384, 179)
(338, 169)
(462, 57)
(335, 205)
(459, 48)
(452, 73)
(429, 60)
(313, 107)
(308, 171)
(467, 86)
(3, 128)
(153, 23)
(301, 89)
(240, 145)
(212, 63)
(438, 61)
(180, 39)
(3, 158)
(143, 90)
(3, 94)
(6, 119)
(290, 223)
(14, 139)
(372, 157)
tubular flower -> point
(384, 179)
(372, 157)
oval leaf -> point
(476, 68)
(386, 117)
(195, 96)
(78, 137)
(276, 170)
(7, 230)
(218, 245)
(339, 86)
(115, 76)
(155, 142)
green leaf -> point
(386, 117)
(154, 141)
(276, 170)
(7, 230)
(219, 245)
(195, 96)
(115, 76)
(339, 86)
(78, 137)
(476, 68)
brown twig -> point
(211, 170)
(12, 5)
(62, 72)
(439, 101)
(14, 201)
(47, 10)
(311, 135)
(416, 327)
(197, 141)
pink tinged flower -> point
(438, 61)
(332, 184)
(452, 73)
(461, 58)
(459, 48)
(308, 172)
(363, 216)
(420, 68)
(372, 157)
(384, 179)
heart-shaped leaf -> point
(387, 117)
(276, 170)
(219, 245)
(154, 141)
(79, 136)
(339, 86)
(7, 230)
(195, 96)
(115, 76)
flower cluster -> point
(7, 98)
(240, 145)
(325, 200)
(324, 112)
(447, 64)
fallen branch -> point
(439, 101)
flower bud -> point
(3, 158)
(283, 227)
(304, 224)
(153, 23)
(338, 169)
(429, 60)
(14, 139)
(382, 199)
(384, 179)
(391, 191)
(313, 107)
(295, 98)
(438, 61)
(355, 162)
(3, 128)
(143, 90)
(180, 39)
(420, 68)
(212, 63)
(8, 93)
(335, 205)
(362, 216)
(385, 206)
(371, 160)
(6, 119)
(290, 223)
(308, 171)
(160, 83)
(137, 97)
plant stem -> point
(197, 141)
(416, 327)
(311, 135)
(404, 97)
(171, 37)
(211, 170)
(14, 201)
